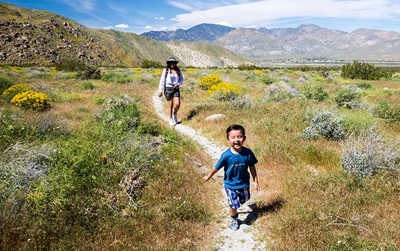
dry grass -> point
(307, 201)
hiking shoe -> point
(175, 118)
(172, 122)
(234, 224)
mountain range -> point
(34, 37)
(305, 42)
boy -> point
(236, 161)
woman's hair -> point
(235, 127)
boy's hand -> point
(160, 94)
(205, 178)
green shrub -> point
(364, 71)
(9, 94)
(4, 84)
(267, 79)
(314, 92)
(86, 85)
(31, 100)
(348, 97)
(89, 73)
(117, 78)
(70, 65)
(208, 81)
(385, 111)
(151, 64)
(364, 85)
(248, 67)
(365, 153)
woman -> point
(170, 81)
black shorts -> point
(171, 92)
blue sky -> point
(139, 16)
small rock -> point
(215, 117)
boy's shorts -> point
(171, 92)
(237, 196)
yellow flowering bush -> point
(224, 91)
(14, 90)
(31, 100)
(157, 72)
(208, 81)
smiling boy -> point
(236, 161)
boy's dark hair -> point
(235, 127)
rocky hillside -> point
(32, 37)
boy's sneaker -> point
(234, 224)
(175, 118)
(172, 122)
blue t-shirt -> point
(236, 167)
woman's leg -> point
(177, 104)
(170, 105)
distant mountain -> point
(33, 37)
(198, 33)
(304, 41)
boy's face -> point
(236, 139)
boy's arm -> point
(210, 174)
(255, 178)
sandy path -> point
(230, 240)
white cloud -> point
(122, 26)
(159, 18)
(265, 13)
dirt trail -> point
(242, 239)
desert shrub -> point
(120, 114)
(151, 64)
(118, 102)
(241, 102)
(117, 78)
(280, 92)
(70, 65)
(4, 84)
(9, 94)
(314, 92)
(325, 124)
(206, 82)
(364, 86)
(224, 91)
(324, 71)
(364, 71)
(86, 85)
(267, 79)
(31, 100)
(367, 152)
(15, 127)
(248, 67)
(385, 111)
(348, 97)
(89, 73)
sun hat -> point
(172, 60)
